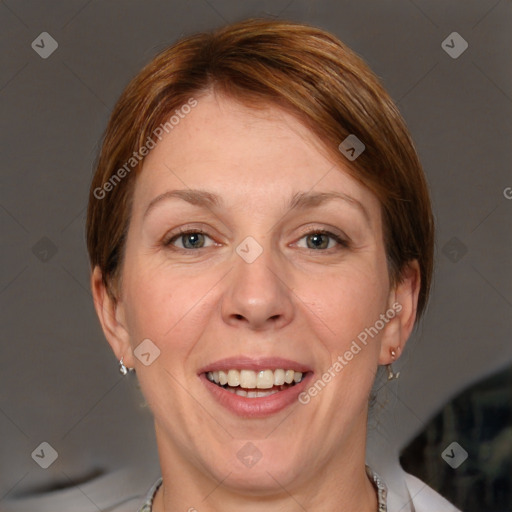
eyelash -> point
(167, 242)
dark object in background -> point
(479, 420)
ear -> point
(403, 300)
(111, 316)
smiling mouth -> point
(252, 384)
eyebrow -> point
(304, 200)
(299, 201)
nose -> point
(257, 295)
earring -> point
(391, 374)
(123, 370)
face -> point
(247, 242)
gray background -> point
(58, 378)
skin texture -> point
(294, 301)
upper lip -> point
(255, 363)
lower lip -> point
(258, 407)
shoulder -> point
(424, 498)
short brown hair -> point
(302, 69)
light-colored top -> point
(148, 505)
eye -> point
(321, 239)
(188, 240)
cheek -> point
(347, 301)
(165, 304)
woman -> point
(261, 240)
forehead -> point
(243, 154)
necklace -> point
(380, 486)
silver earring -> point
(391, 374)
(123, 370)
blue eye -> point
(315, 240)
(189, 240)
(323, 240)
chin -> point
(251, 472)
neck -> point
(340, 483)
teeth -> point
(279, 377)
(265, 379)
(266, 393)
(251, 394)
(223, 378)
(249, 379)
(234, 378)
